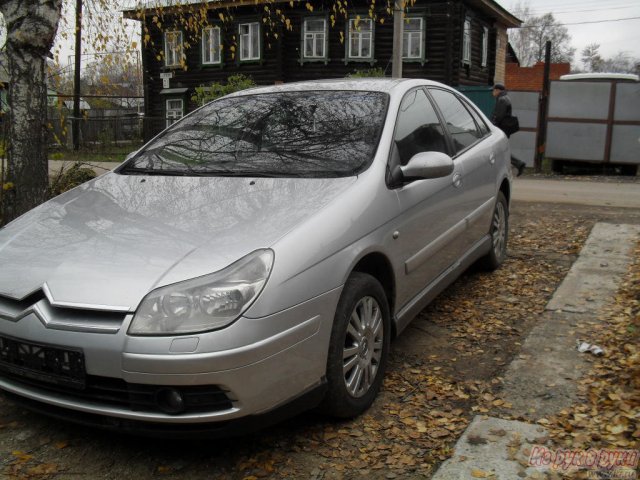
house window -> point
(485, 46)
(174, 111)
(360, 38)
(412, 38)
(466, 42)
(211, 45)
(172, 49)
(249, 41)
(314, 36)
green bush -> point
(235, 83)
(369, 72)
(71, 178)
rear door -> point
(474, 152)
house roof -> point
(498, 12)
(133, 8)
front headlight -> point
(204, 303)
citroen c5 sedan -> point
(253, 260)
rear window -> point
(286, 134)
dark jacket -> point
(502, 108)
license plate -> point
(43, 363)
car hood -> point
(109, 242)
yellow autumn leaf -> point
(617, 429)
(20, 455)
(43, 469)
(475, 473)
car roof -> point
(387, 85)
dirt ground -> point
(444, 369)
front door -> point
(429, 230)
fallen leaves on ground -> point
(608, 415)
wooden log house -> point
(457, 42)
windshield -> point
(286, 134)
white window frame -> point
(466, 42)
(173, 113)
(410, 36)
(316, 38)
(254, 30)
(485, 46)
(210, 54)
(173, 50)
(357, 32)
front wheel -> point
(499, 233)
(359, 347)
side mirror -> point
(427, 165)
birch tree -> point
(529, 40)
(31, 29)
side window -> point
(459, 121)
(484, 130)
(418, 128)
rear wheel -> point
(359, 347)
(499, 233)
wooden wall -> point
(281, 57)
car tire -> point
(358, 348)
(499, 233)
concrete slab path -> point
(542, 380)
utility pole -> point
(398, 25)
(76, 78)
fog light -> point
(170, 400)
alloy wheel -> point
(363, 347)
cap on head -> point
(498, 86)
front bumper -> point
(259, 364)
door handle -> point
(492, 158)
(457, 180)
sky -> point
(617, 28)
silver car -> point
(253, 260)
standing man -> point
(500, 112)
